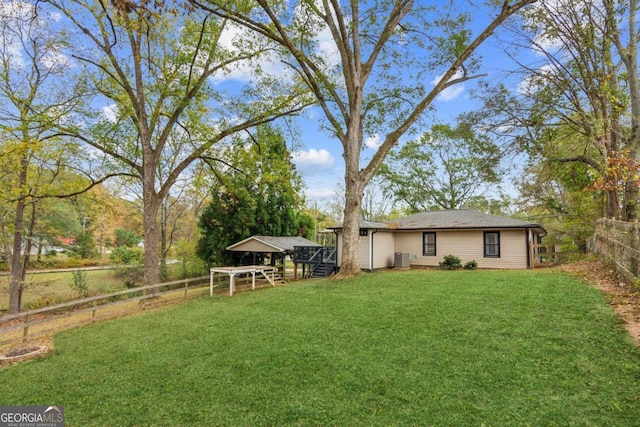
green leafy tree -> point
(85, 246)
(368, 65)
(443, 169)
(35, 94)
(259, 195)
(575, 102)
(158, 109)
(126, 238)
(557, 195)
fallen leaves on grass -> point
(624, 296)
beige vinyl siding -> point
(364, 248)
(382, 252)
(467, 245)
(383, 249)
(255, 246)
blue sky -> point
(320, 158)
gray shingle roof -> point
(278, 243)
(458, 218)
(449, 219)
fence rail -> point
(618, 243)
(43, 322)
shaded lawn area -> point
(490, 348)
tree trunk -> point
(631, 62)
(15, 285)
(350, 262)
(150, 223)
(163, 241)
(16, 280)
(612, 204)
(354, 189)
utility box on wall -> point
(401, 260)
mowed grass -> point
(428, 348)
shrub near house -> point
(477, 239)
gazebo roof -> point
(270, 244)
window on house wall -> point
(492, 244)
(363, 232)
(429, 243)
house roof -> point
(270, 244)
(449, 219)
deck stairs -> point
(321, 260)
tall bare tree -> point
(369, 65)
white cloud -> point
(373, 142)
(244, 71)
(451, 92)
(560, 12)
(320, 193)
(110, 112)
(531, 84)
(313, 161)
(56, 62)
(327, 48)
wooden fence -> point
(618, 243)
(44, 322)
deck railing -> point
(316, 257)
(314, 254)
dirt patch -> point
(624, 296)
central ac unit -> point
(402, 260)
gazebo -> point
(317, 260)
(276, 247)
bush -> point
(471, 265)
(126, 238)
(451, 262)
(131, 277)
(44, 301)
(126, 255)
(80, 284)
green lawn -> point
(463, 348)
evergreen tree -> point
(259, 194)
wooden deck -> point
(266, 271)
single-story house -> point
(425, 238)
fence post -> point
(633, 245)
(186, 286)
(25, 330)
